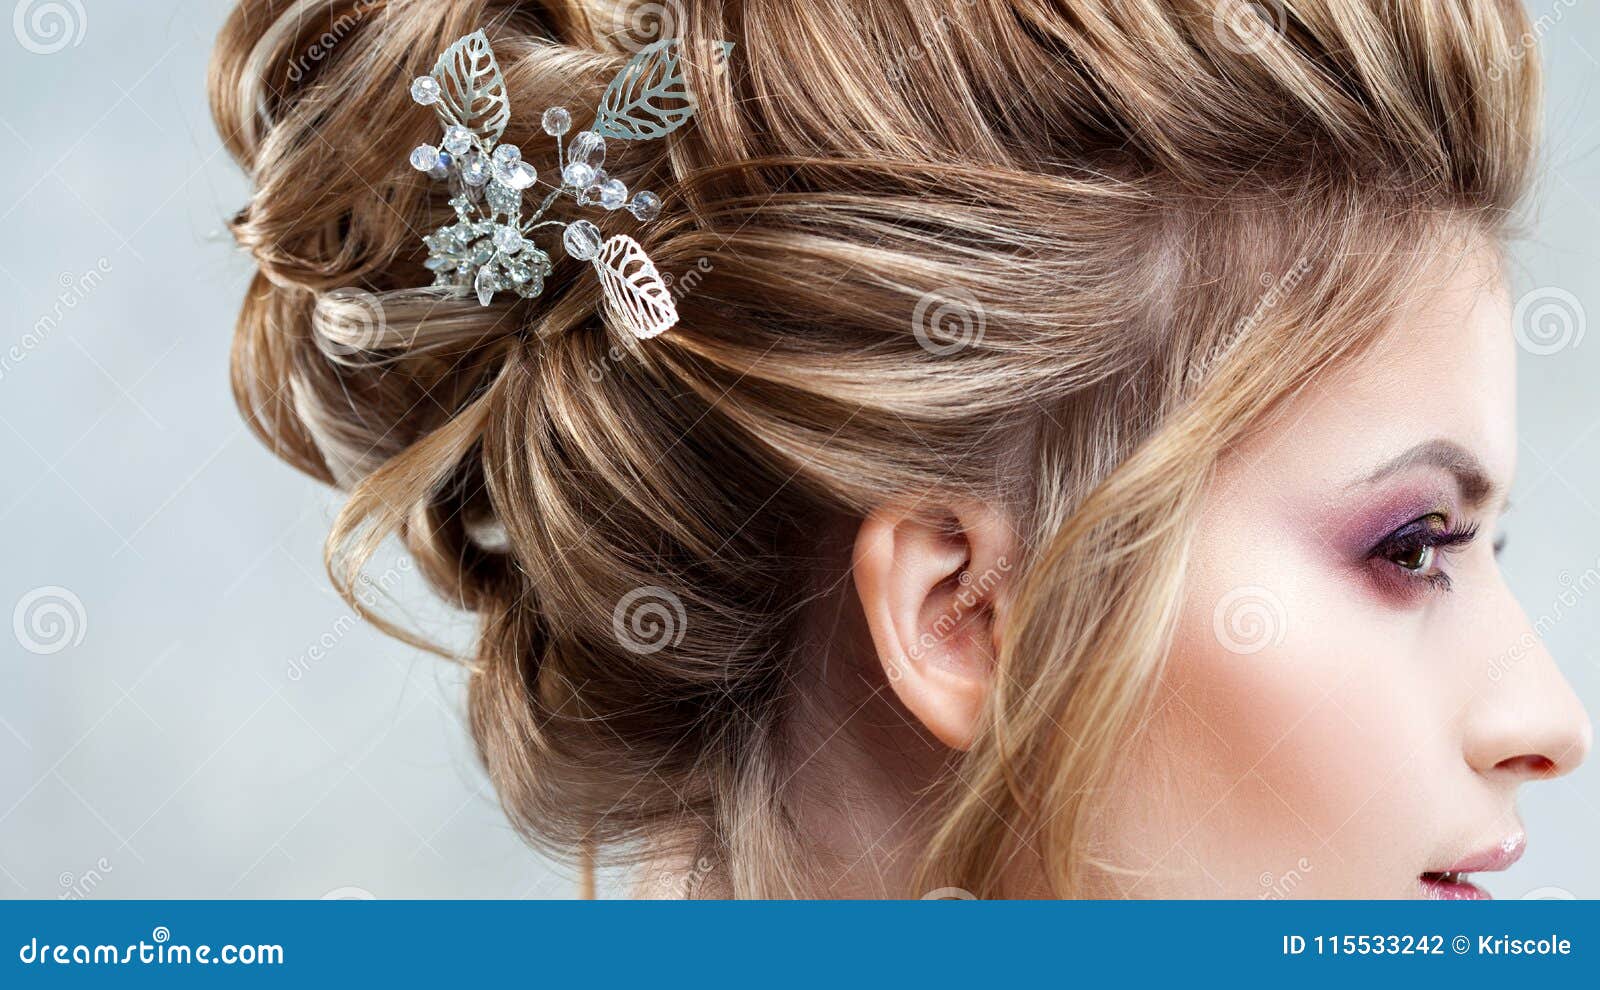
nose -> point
(1525, 721)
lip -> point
(1452, 883)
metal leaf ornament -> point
(649, 97)
(472, 88)
(634, 288)
(489, 248)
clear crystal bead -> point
(613, 194)
(507, 240)
(457, 139)
(577, 175)
(507, 153)
(646, 205)
(590, 194)
(474, 170)
(424, 157)
(486, 285)
(515, 173)
(581, 239)
(588, 148)
(556, 121)
(441, 168)
(425, 90)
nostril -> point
(1528, 766)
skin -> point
(1333, 721)
(1332, 724)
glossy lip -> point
(1452, 890)
(1451, 884)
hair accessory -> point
(489, 247)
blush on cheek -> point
(1305, 753)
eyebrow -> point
(1471, 477)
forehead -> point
(1444, 370)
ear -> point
(931, 585)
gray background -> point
(166, 749)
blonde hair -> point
(1032, 253)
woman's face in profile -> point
(1354, 696)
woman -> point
(1074, 472)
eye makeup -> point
(1411, 558)
(1398, 542)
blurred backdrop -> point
(186, 708)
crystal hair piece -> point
(490, 247)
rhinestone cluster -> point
(490, 246)
(488, 249)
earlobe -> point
(931, 585)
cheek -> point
(1302, 709)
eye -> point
(1418, 558)
(1415, 552)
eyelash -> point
(1430, 532)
